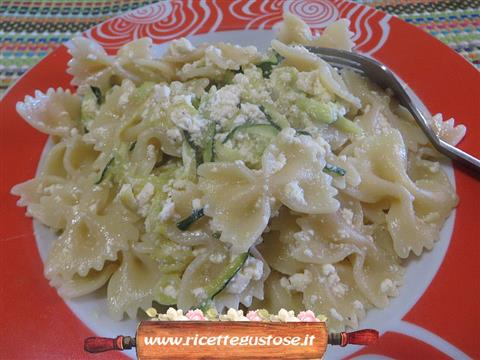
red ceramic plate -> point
(437, 313)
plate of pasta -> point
(197, 155)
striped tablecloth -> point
(29, 30)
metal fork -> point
(381, 75)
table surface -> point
(29, 30)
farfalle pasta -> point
(217, 176)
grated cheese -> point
(168, 210)
(295, 193)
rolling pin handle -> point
(360, 337)
(96, 344)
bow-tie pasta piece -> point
(327, 239)
(294, 166)
(203, 67)
(54, 163)
(247, 284)
(131, 286)
(39, 195)
(401, 215)
(183, 203)
(276, 246)
(209, 61)
(296, 56)
(57, 112)
(90, 64)
(51, 195)
(83, 285)
(294, 30)
(302, 59)
(181, 51)
(134, 61)
(353, 214)
(434, 195)
(171, 260)
(79, 158)
(133, 121)
(201, 272)
(240, 276)
(146, 154)
(409, 232)
(171, 256)
(382, 112)
(236, 56)
(89, 239)
(114, 114)
(331, 290)
(446, 130)
(236, 200)
(378, 272)
(123, 110)
(278, 296)
(47, 199)
(382, 162)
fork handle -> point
(458, 155)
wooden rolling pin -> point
(219, 340)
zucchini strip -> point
(104, 171)
(327, 114)
(222, 280)
(267, 66)
(98, 94)
(196, 102)
(269, 118)
(196, 149)
(232, 133)
(279, 121)
(319, 111)
(346, 125)
(208, 153)
(302, 132)
(225, 276)
(194, 216)
(335, 170)
(257, 129)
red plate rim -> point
(43, 326)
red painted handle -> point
(361, 337)
(100, 344)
